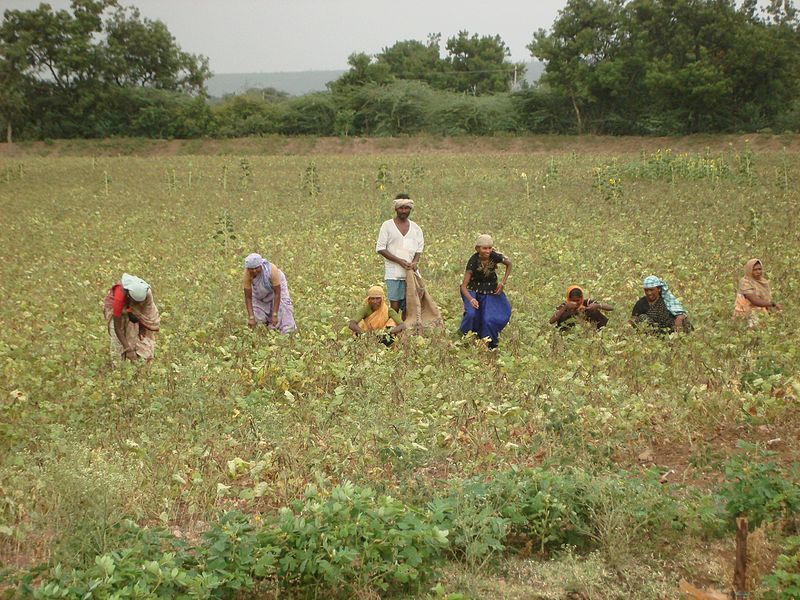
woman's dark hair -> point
(576, 293)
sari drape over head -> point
(749, 284)
(582, 304)
(378, 319)
(264, 295)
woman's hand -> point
(130, 354)
(251, 322)
(474, 303)
(499, 288)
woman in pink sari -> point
(266, 295)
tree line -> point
(612, 67)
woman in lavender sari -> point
(266, 295)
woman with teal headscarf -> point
(660, 308)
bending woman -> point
(486, 308)
(266, 295)
(132, 319)
(660, 308)
(578, 307)
(753, 297)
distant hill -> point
(297, 83)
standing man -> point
(400, 243)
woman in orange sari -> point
(376, 315)
(753, 297)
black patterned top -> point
(484, 277)
(656, 314)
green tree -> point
(478, 65)
(267, 94)
(412, 59)
(363, 70)
(665, 66)
(141, 52)
(69, 64)
(541, 109)
(13, 87)
(58, 45)
(582, 38)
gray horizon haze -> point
(248, 36)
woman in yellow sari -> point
(753, 297)
(376, 315)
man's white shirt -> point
(402, 246)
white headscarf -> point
(400, 202)
(135, 286)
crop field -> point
(242, 463)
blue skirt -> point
(493, 313)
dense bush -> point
(759, 489)
(348, 537)
(243, 116)
(402, 107)
(542, 110)
(784, 582)
(454, 114)
(312, 114)
(337, 540)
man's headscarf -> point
(253, 260)
(135, 286)
(674, 305)
(401, 202)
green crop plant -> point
(232, 419)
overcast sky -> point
(248, 36)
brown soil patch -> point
(421, 144)
(697, 461)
